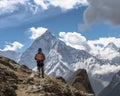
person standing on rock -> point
(40, 57)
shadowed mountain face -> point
(19, 80)
(113, 89)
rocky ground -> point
(18, 80)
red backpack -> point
(39, 57)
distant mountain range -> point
(12, 55)
(109, 52)
(63, 60)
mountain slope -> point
(61, 59)
(45, 41)
(10, 76)
(18, 80)
(113, 89)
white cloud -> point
(102, 11)
(37, 32)
(44, 5)
(74, 39)
(106, 69)
(12, 46)
(95, 47)
(67, 4)
(98, 46)
(105, 41)
(9, 6)
(28, 10)
(78, 41)
(63, 4)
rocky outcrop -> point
(8, 79)
(81, 81)
(10, 75)
(8, 83)
(19, 80)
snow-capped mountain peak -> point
(109, 52)
(112, 46)
(46, 41)
(37, 32)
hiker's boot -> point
(42, 75)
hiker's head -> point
(39, 50)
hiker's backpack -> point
(39, 57)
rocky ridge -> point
(19, 80)
(80, 80)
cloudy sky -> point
(87, 22)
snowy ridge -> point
(111, 46)
(107, 52)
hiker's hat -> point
(39, 50)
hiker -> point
(40, 57)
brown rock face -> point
(8, 83)
(81, 81)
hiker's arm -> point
(44, 56)
(35, 57)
